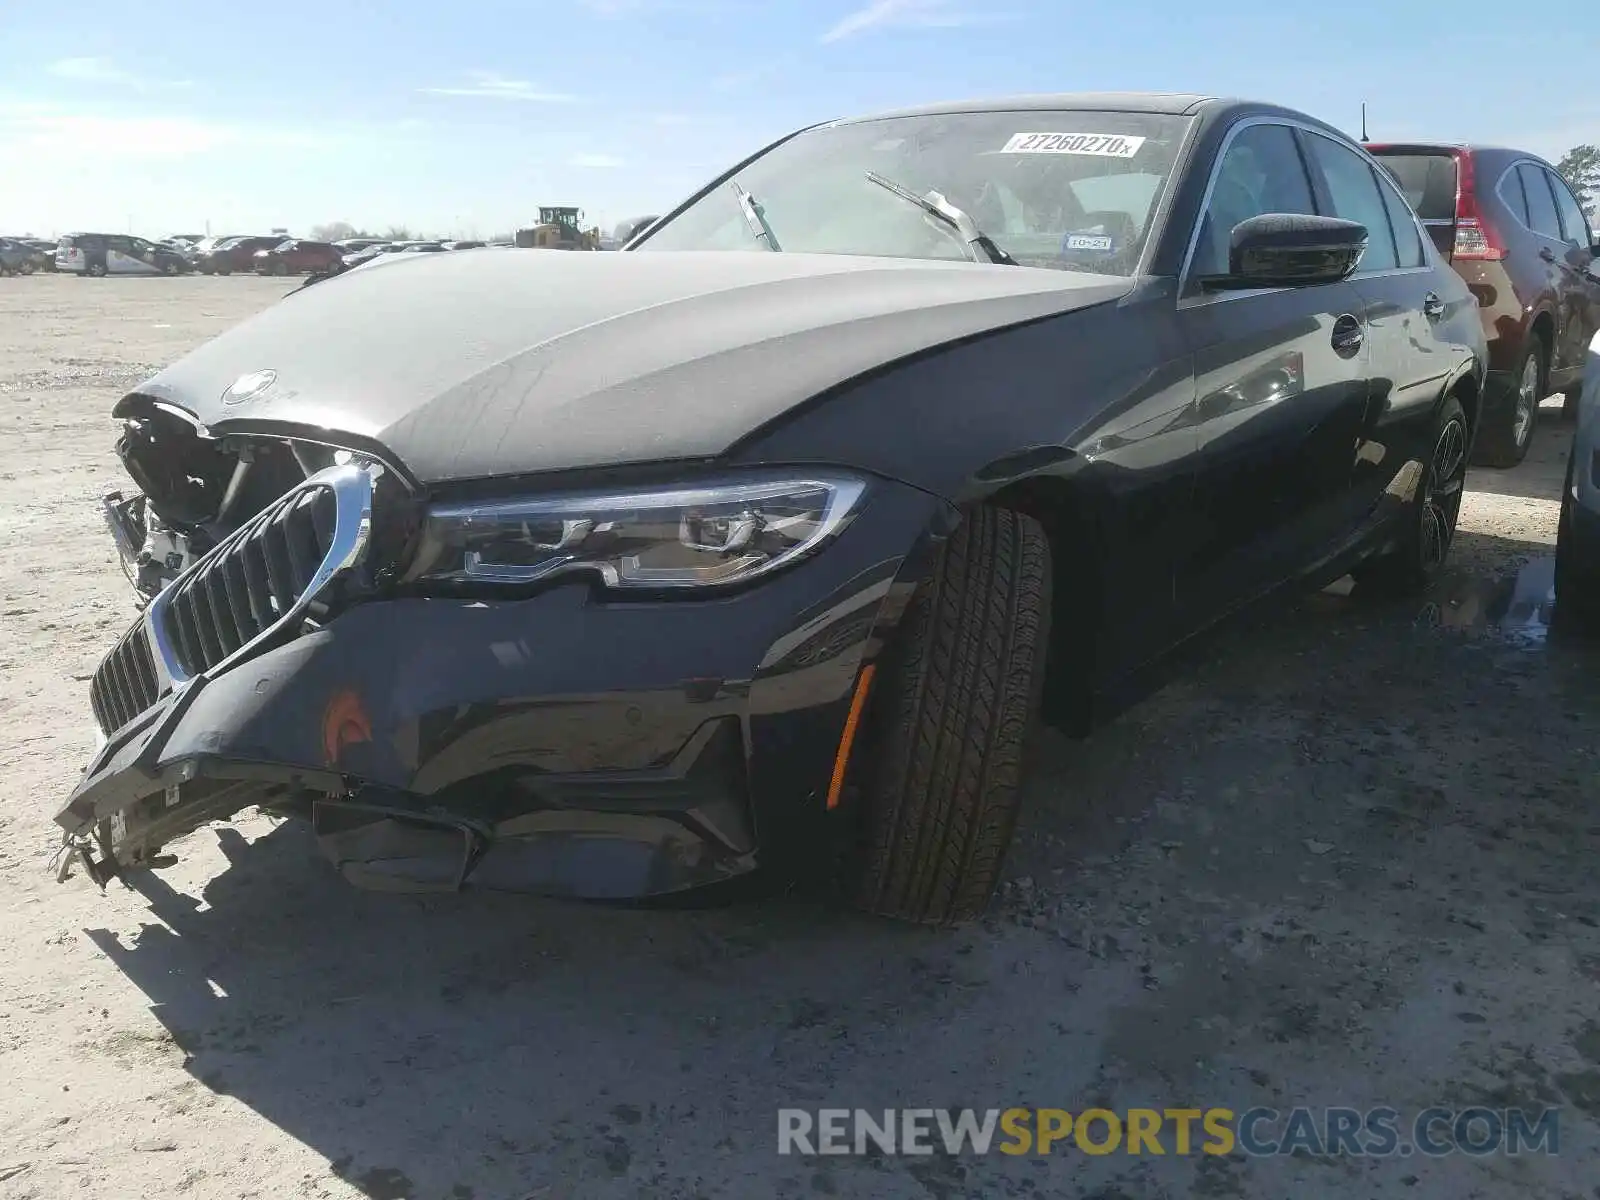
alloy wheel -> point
(1441, 497)
(1527, 399)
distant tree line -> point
(1580, 167)
(338, 231)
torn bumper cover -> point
(557, 743)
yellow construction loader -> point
(559, 229)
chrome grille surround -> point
(252, 586)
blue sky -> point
(464, 117)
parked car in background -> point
(17, 258)
(357, 244)
(207, 244)
(366, 255)
(1036, 390)
(635, 227)
(464, 245)
(1578, 532)
(98, 254)
(236, 254)
(44, 252)
(423, 248)
(1512, 229)
(298, 256)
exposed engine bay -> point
(193, 489)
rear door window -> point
(1512, 196)
(1354, 190)
(1573, 227)
(1542, 217)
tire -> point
(1508, 431)
(279, 268)
(97, 270)
(26, 268)
(1577, 568)
(949, 721)
(1429, 521)
(224, 270)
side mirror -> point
(1290, 250)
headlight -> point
(650, 539)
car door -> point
(1281, 378)
(1578, 284)
(1405, 306)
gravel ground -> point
(1344, 857)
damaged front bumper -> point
(559, 744)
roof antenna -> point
(1363, 120)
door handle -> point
(1347, 336)
(1547, 254)
(1432, 306)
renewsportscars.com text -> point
(1255, 1132)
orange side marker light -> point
(841, 760)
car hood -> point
(481, 363)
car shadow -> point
(478, 1044)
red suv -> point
(296, 256)
(1512, 229)
(234, 254)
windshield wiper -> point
(980, 246)
(755, 216)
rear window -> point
(1427, 180)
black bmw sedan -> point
(765, 543)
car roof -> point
(1171, 103)
(1474, 148)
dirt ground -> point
(1345, 857)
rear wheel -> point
(98, 269)
(224, 270)
(1430, 521)
(1577, 565)
(1508, 429)
(959, 693)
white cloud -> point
(596, 161)
(909, 14)
(491, 85)
(104, 71)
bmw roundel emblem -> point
(248, 387)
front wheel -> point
(949, 721)
(1429, 522)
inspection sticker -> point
(1106, 145)
(1088, 241)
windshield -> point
(1428, 181)
(1072, 190)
